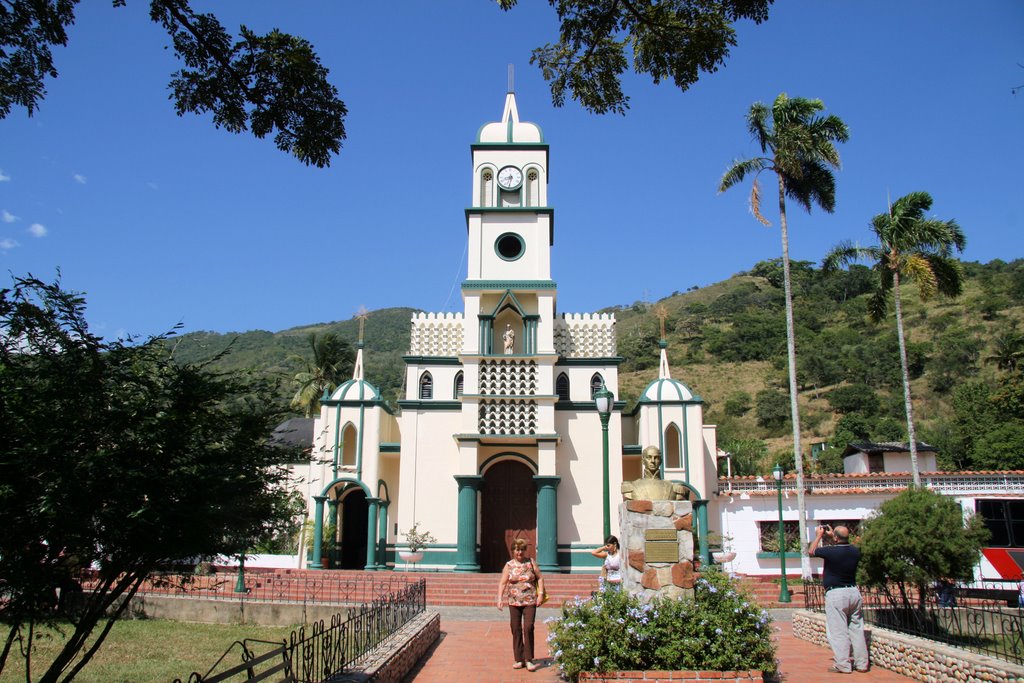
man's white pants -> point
(844, 624)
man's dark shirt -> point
(840, 564)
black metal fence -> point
(320, 651)
(981, 617)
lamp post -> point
(784, 588)
(240, 582)
(604, 400)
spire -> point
(663, 371)
(357, 370)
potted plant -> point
(416, 540)
(722, 551)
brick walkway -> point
(478, 649)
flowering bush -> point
(719, 630)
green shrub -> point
(720, 629)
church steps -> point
(451, 589)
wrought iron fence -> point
(324, 651)
(317, 653)
(983, 617)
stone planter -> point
(409, 556)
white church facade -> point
(498, 435)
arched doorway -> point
(508, 512)
(354, 517)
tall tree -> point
(271, 83)
(674, 39)
(330, 365)
(799, 147)
(912, 247)
(118, 458)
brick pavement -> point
(476, 647)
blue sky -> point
(161, 219)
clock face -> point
(510, 177)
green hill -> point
(727, 342)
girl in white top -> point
(611, 570)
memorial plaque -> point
(661, 545)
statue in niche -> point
(509, 338)
(651, 486)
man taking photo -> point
(844, 622)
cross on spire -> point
(361, 315)
(662, 314)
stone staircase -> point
(451, 589)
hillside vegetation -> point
(727, 342)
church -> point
(509, 427)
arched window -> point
(486, 187)
(349, 435)
(596, 382)
(673, 461)
(532, 187)
(562, 387)
(458, 385)
(426, 386)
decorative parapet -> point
(585, 335)
(949, 483)
(436, 334)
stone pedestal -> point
(657, 543)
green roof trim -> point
(508, 284)
(587, 406)
(632, 449)
(590, 362)
(505, 145)
(518, 439)
(431, 360)
(390, 447)
(430, 405)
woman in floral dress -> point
(524, 586)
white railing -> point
(952, 483)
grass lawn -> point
(148, 651)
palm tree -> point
(331, 364)
(1009, 351)
(911, 247)
(799, 147)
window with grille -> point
(562, 387)
(426, 386)
(596, 382)
(458, 385)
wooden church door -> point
(508, 512)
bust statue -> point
(651, 486)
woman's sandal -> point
(518, 665)
(531, 667)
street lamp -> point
(604, 400)
(778, 473)
(240, 582)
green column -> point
(318, 531)
(547, 522)
(700, 508)
(371, 534)
(465, 555)
(382, 536)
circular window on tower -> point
(509, 246)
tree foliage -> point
(912, 247)
(914, 540)
(272, 84)
(331, 363)
(667, 39)
(119, 459)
